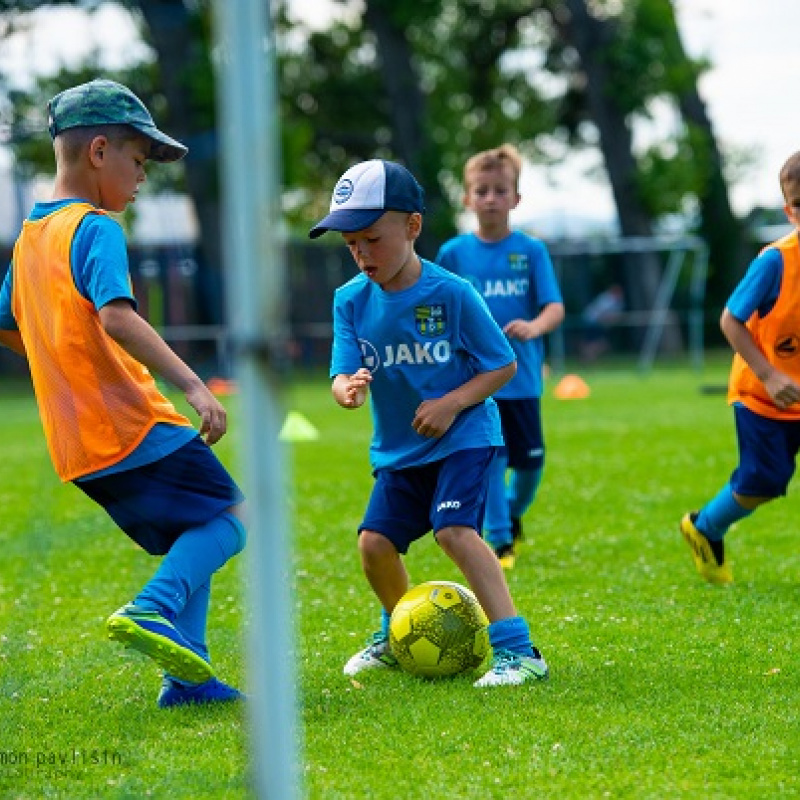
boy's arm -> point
(134, 335)
(781, 388)
(550, 317)
(350, 391)
(13, 341)
(434, 417)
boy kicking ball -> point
(422, 343)
(66, 305)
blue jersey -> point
(419, 343)
(99, 257)
(759, 288)
(515, 277)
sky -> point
(749, 92)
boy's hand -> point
(434, 417)
(782, 389)
(213, 416)
(350, 391)
(522, 330)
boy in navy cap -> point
(66, 304)
(422, 342)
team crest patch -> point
(431, 320)
(787, 346)
(518, 262)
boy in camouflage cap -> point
(67, 305)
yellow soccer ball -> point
(439, 629)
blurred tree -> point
(178, 88)
(630, 57)
(426, 83)
(431, 82)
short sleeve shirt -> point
(418, 343)
(515, 277)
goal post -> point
(247, 119)
(684, 261)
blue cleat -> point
(212, 691)
(156, 637)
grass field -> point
(661, 686)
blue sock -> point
(385, 619)
(191, 622)
(719, 514)
(196, 555)
(522, 488)
(496, 521)
(511, 634)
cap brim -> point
(347, 221)
(163, 148)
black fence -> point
(183, 299)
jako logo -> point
(449, 504)
(786, 347)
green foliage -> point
(646, 44)
(467, 75)
(674, 171)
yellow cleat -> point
(506, 556)
(704, 558)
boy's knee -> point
(372, 544)
(450, 538)
(238, 538)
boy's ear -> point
(97, 149)
(414, 224)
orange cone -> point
(571, 386)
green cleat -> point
(156, 637)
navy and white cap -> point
(365, 192)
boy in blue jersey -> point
(422, 344)
(513, 273)
(66, 304)
(761, 320)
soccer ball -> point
(438, 629)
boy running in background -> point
(423, 345)
(762, 323)
(514, 274)
(66, 304)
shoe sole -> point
(532, 677)
(172, 658)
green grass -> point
(661, 686)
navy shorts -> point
(522, 432)
(156, 503)
(767, 453)
(407, 503)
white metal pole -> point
(254, 245)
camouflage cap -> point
(104, 102)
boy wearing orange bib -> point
(762, 323)
(67, 306)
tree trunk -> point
(721, 229)
(406, 104)
(174, 38)
(591, 37)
